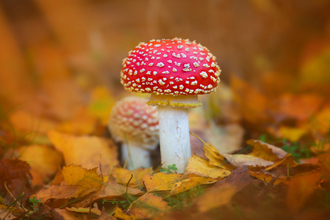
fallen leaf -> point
(268, 177)
(56, 192)
(113, 189)
(239, 178)
(299, 107)
(253, 104)
(287, 161)
(86, 150)
(13, 169)
(199, 166)
(148, 206)
(101, 104)
(291, 133)
(81, 123)
(300, 188)
(188, 184)
(42, 159)
(84, 210)
(215, 197)
(215, 158)
(161, 181)
(239, 160)
(67, 215)
(134, 177)
(86, 180)
(265, 151)
(122, 215)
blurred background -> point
(60, 61)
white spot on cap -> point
(196, 64)
(204, 74)
(142, 70)
(181, 87)
(180, 46)
(160, 64)
(150, 64)
(174, 70)
(161, 82)
(154, 72)
(194, 83)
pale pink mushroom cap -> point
(139, 121)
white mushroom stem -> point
(137, 156)
(174, 136)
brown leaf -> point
(288, 160)
(57, 192)
(113, 189)
(239, 178)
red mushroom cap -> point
(170, 67)
(138, 121)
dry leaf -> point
(122, 215)
(113, 189)
(287, 161)
(268, 177)
(266, 151)
(101, 104)
(86, 180)
(57, 192)
(134, 177)
(148, 206)
(189, 183)
(67, 215)
(199, 166)
(215, 197)
(239, 160)
(86, 150)
(161, 181)
(300, 188)
(84, 210)
(215, 158)
(42, 159)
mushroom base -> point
(174, 136)
(136, 157)
(184, 101)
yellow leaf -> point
(292, 134)
(161, 181)
(135, 177)
(84, 210)
(148, 206)
(188, 184)
(265, 151)
(239, 160)
(199, 166)
(86, 180)
(86, 150)
(43, 159)
(120, 214)
(215, 158)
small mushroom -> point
(135, 124)
(174, 72)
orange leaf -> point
(215, 197)
(300, 188)
(86, 150)
(288, 160)
(188, 184)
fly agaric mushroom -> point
(174, 72)
(133, 120)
